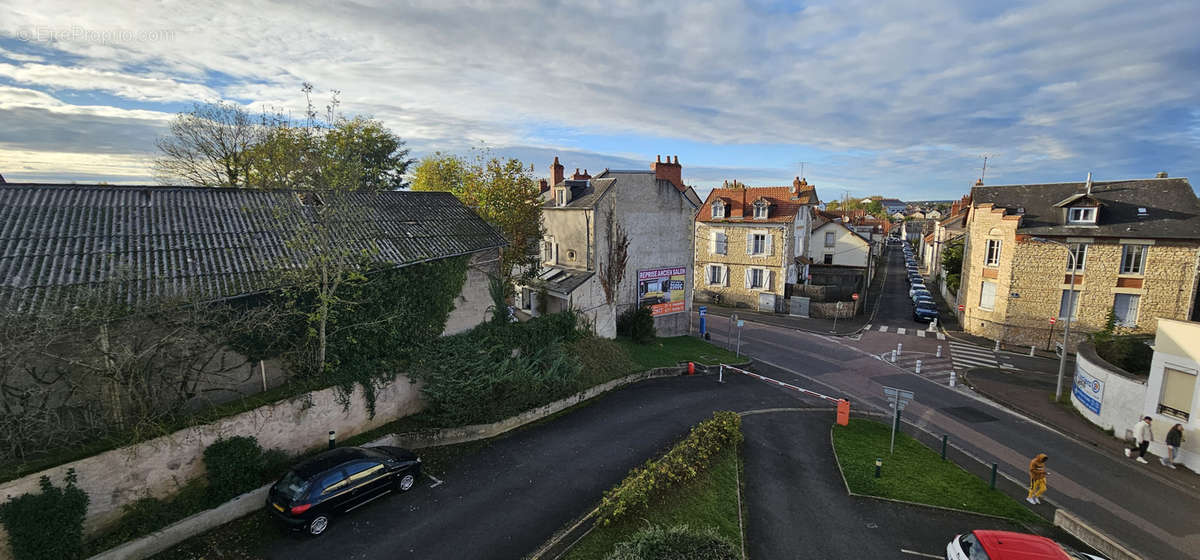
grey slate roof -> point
(559, 279)
(1172, 210)
(145, 242)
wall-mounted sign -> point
(1088, 390)
(664, 290)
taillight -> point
(297, 510)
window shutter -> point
(767, 279)
(749, 243)
(725, 275)
(770, 242)
(746, 277)
(712, 242)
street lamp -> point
(1062, 360)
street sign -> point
(854, 296)
(1053, 320)
(741, 323)
(703, 310)
(897, 398)
(961, 307)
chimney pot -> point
(1161, 175)
(658, 158)
(676, 160)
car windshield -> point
(926, 306)
(971, 548)
(291, 486)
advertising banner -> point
(663, 290)
(1089, 390)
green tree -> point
(501, 191)
(209, 146)
(952, 262)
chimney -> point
(580, 176)
(979, 182)
(543, 185)
(669, 171)
(556, 172)
(1160, 175)
(798, 185)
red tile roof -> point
(785, 202)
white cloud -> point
(138, 88)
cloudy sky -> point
(891, 98)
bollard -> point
(332, 439)
(952, 376)
(939, 352)
(1030, 351)
(721, 374)
(691, 368)
(892, 355)
(997, 348)
(899, 348)
(993, 484)
(945, 439)
(918, 366)
(878, 466)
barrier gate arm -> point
(843, 405)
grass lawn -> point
(915, 473)
(664, 352)
(709, 500)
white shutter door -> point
(746, 277)
(725, 275)
(767, 279)
(749, 243)
(770, 242)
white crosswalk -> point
(906, 331)
(966, 356)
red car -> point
(1006, 545)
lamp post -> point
(1062, 360)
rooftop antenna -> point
(1089, 183)
(985, 157)
(802, 164)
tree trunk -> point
(322, 320)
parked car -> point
(1007, 545)
(916, 286)
(922, 296)
(309, 495)
(925, 311)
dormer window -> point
(561, 197)
(1081, 215)
(718, 209)
(762, 209)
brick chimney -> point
(543, 185)
(798, 186)
(556, 172)
(979, 182)
(1160, 175)
(580, 176)
(669, 171)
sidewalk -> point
(819, 326)
(1032, 394)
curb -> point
(1093, 538)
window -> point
(1079, 250)
(1081, 216)
(1133, 259)
(548, 250)
(1125, 307)
(830, 239)
(716, 275)
(828, 258)
(718, 209)
(363, 471)
(987, 296)
(720, 243)
(1062, 304)
(561, 195)
(993, 252)
(756, 277)
(758, 243)
(761, 210)
(570, 254)
(1177, 390)
(332, 482)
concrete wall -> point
(1120, 396)
(1176, 346)
(572, 231)
(471, 306)
(158, 467)
(737, 261)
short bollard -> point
(721, 374)
(997, 349)
(952, 378)
(892, 355)
(918, 366)
(939, 352)
(878, 466)
(332, 439)
(993, 483)
(1030, 351)
(899, 348)
(945, 439)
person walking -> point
(1174, 440)
(1142, 436)
(1037, 479)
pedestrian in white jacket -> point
(1142, 436)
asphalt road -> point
(1149, 516)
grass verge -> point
(664, 352)
(915, 473)
(709, 500)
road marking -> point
(437, 482)
(900, 330)
(921, 333)
(922, 554)
(941, 336)
(882, 328)
(1008, 366)
(868, 327)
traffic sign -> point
(1053, 320)
(854, 296)
(741, 323)
(961, 307)
(703, 310)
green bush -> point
(600, 360)
(1128, 352)
(48, 525)
(637, 324)
(235, 466)
(683, 462)
(675, 543)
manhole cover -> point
(968, 414)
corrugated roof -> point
(1172, 210)
(145, 242)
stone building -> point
(581, 216)
(749, 243)
(1136, 243)
(841, 256)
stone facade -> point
(736, 261)
(1031, 276)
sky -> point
(901, 99)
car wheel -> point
(317, 525)
(406, 482)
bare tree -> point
(210, 146)
(612, 273)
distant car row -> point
(924, 308)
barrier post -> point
(899, 348)
(332, 439)
(952, 376)
(721, 374)
(843, 412)
(993, 483)
(691, 368)
(945, 440)
(918, 366)
(1031, 351)
(939, 352)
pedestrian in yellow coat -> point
(1037, 478)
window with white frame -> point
(1062, 304)
(716, 275)
(720, 243)
(830, 239)
(718, 209)
(1178, 388)
(758, 243)
(987, 295)
(761, 210)
(993, 253)
(1125, 307)
(1078, 256)
(561, 196)
(548, 250)
(756, 278)
(1083, 215)
(1133, 259)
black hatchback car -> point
(340, 480)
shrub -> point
(601, 360)
(1128, 352)
(675, 543)
(683, 462)
(48, 525)
(637, 324)
(235, 466)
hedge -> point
(675, 543)
(48, 525)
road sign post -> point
(703, 311)
(898, 399)
(741, 324)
